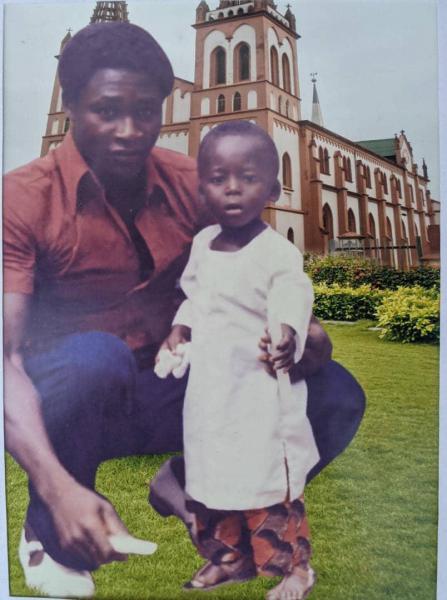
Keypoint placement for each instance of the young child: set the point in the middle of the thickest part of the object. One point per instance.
(248, 443)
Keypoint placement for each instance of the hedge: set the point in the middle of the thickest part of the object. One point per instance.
(352, 271)
(342, 303)
(410, 315)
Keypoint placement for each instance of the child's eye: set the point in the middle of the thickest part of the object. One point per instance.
(250, 178)
(217, 179)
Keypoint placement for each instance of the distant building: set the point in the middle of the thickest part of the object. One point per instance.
(366, 197)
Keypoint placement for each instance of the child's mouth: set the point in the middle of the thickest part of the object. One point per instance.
(233, 209)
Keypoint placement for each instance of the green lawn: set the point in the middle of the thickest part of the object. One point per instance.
(373, 512)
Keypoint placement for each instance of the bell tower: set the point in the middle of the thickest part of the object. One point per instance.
(58, 122)
(247, 68)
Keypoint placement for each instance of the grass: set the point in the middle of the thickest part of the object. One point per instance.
(373, 512)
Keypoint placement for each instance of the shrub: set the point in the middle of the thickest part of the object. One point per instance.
(355, 271)
(341, 303)
(410, 315)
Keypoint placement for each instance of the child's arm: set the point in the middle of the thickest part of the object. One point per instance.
(289, 303)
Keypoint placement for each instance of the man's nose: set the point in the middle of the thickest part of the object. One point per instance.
(127, 129)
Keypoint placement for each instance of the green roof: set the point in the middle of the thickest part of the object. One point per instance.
(381, 147)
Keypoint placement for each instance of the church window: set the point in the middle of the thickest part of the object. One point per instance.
(389, 230)
(321, 158)
(221, 104)
(220, 15)
(286, 171)
(351, 221)
(237, 102)
(280, 104)
(404, 230)
(274, 65)
(242, 62)
(411, 193)
(385, 183)
(286, 72)
(230, 13)
(372, 225)
(66, 125)
(287, 109)
(290, 235)
(328, 221)
(368, 177)
(326, 162)
(240, 11)
(218, 66)
(398, 188)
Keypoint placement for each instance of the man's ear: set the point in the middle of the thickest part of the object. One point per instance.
(276, 191)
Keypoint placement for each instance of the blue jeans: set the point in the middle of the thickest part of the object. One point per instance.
(97, 405)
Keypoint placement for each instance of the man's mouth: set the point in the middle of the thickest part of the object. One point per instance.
(127, 156)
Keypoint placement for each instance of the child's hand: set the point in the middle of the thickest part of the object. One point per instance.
(180, 334)
(283, 355)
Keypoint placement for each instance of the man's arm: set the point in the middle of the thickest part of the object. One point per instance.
(83, 520)
(317, 352)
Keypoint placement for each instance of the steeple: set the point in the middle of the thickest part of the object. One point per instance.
(317, 116)
(110, 11)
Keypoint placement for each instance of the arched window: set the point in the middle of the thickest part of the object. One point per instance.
(219, 66)
(242, 67)
(349, 170)
(237, 102)
(287, 109)
(351, 221)
(372, 225)
(66, 125)
(286, 72)
(280, 104)
(221, 104)
(274, 65)
(290, 235)
(321, 158)
(328, 221)
(385, 183)
(389, 229)
(286, 171)
(368, 177)
(398, 188)
(220, 15)
(230, 13)
(326, 162)
(411, 193)
(404, 230)
(240, 11)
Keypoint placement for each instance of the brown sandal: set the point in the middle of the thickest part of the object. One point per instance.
(211, 576)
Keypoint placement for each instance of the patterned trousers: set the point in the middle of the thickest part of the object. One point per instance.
(277, 537)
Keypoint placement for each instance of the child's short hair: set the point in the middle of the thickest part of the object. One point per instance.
(242, 128)
(115, 45)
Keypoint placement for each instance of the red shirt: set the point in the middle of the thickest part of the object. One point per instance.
(69, 248)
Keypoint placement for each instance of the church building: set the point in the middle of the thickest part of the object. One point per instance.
(367, 198)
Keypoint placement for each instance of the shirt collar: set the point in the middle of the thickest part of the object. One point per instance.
(75, 170)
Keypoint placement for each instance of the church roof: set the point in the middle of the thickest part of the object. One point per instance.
(385, 147)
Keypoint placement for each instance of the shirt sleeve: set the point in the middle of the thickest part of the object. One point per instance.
(188, 283)
(19, 246)
(290, 298)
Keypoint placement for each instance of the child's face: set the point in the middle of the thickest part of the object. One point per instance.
(237, 179)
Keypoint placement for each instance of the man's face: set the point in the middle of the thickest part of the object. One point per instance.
(116, 122)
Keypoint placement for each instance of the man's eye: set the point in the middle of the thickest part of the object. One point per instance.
(144, 114)
(107, 113)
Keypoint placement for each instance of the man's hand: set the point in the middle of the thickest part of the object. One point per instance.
(84, 521)
(317, 352)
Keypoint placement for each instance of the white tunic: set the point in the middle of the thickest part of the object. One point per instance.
(245, 446)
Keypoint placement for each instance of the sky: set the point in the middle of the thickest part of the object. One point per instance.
(376, 62)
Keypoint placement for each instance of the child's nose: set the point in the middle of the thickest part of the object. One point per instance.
(233, 184)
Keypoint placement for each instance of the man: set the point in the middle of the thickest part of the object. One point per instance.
(95, 237)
